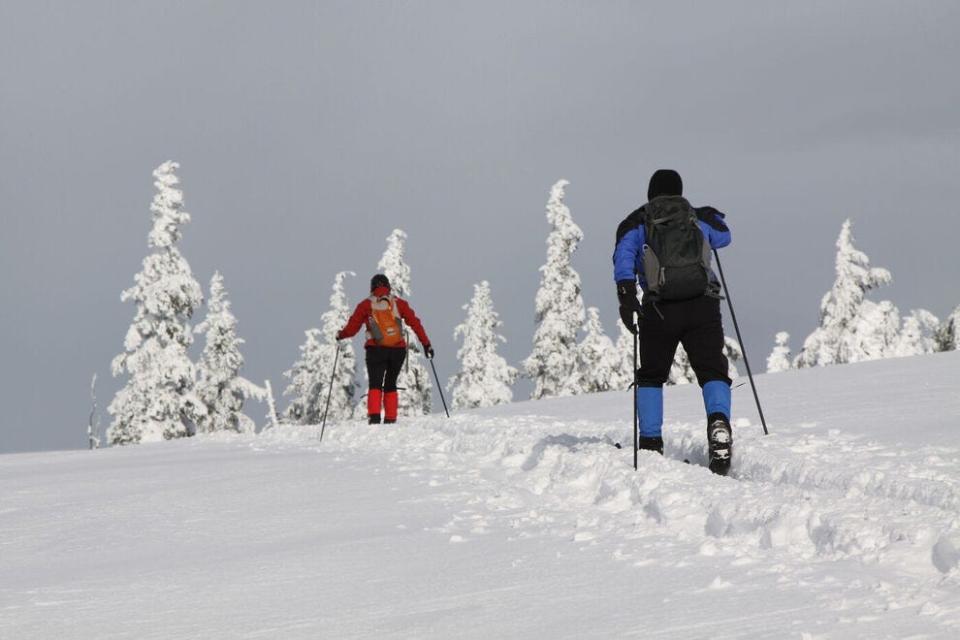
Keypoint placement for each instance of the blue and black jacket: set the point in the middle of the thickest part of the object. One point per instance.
(631, 238)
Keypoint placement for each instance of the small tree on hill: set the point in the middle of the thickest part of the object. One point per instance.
(343, 397)
(624, 348)
(779, 358)
(559, 306)
(158, 401)
(948, 335)
(874, 334)
(599, 365)
(415, 399)
(918, 334)
(306, 379)
(220, 387)
(485, 377)
(843, 317)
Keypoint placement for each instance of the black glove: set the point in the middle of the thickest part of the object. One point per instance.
(428, 351)
(339, 335)
(629, 304)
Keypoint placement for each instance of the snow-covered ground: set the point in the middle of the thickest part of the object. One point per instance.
(517, 522)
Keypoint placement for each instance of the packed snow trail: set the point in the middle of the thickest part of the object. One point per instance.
(519, 521)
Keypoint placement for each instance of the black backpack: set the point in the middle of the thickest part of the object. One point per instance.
(676, 258)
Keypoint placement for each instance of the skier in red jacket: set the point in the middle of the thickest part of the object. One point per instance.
(383, 314)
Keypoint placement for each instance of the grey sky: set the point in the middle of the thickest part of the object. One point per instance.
(307, 131)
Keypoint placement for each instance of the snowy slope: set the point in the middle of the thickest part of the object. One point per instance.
(516, 522)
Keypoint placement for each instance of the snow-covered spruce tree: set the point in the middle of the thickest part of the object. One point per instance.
(841, 310)
(415, 397)
(158, 401)
(875, 332)
(779, 358)
(342, 399)
(731, 349)
(220, 387)
(559, 307)
(306, 379)
(310, 375)
(599, 365)
(625, 352)
(484, 378)
(918, 334)
(948, 335)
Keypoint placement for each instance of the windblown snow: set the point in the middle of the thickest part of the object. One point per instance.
(520, 521)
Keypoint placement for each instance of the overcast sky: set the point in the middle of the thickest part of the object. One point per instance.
(307, 131)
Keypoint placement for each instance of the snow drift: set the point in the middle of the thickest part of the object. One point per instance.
(515, 521)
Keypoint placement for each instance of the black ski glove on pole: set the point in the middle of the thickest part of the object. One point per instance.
(629, 304)
(428, 351)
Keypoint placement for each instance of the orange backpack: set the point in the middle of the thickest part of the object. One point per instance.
(384, 324)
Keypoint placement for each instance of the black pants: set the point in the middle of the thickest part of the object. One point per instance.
(697, 325)
(383, 366)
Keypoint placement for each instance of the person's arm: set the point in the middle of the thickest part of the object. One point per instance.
(626, 253)
(356, 321)
(406, 312)
(625, 257)
(718, 233)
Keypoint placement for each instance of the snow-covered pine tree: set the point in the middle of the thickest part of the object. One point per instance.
(559, 306)
(841, 311)
(310, 375)
(415, 397)
(731, 349)
(918, 334)
(948, 335)
(342, 399)
(625, 352)
(779, 358)
(484, 378)
(874, 333)
(158, 401)
(599, 365)
(219, 384)
(306, 380)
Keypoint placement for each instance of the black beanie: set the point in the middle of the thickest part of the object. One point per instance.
(379, 280)
(665, 182)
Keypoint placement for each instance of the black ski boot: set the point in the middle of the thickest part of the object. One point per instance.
(720, 441)
(373, 418)
(650, 444)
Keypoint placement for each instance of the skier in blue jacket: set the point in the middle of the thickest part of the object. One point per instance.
(688, 314)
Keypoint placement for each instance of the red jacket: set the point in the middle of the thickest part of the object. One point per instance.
(361, 319)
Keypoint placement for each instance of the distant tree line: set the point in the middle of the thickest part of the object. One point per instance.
(167, 395)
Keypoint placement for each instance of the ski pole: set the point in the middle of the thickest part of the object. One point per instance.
(330, 391)
(736, 326)
(636, 409)
(439, 388)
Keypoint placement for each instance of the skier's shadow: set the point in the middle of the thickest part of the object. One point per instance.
(565, 440)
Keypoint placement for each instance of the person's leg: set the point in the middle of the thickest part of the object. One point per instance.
(658, 344)
(391, 400)
(704, 343)
(376, 370)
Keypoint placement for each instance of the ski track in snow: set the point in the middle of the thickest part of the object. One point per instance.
(796, 503)
(790, 505)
